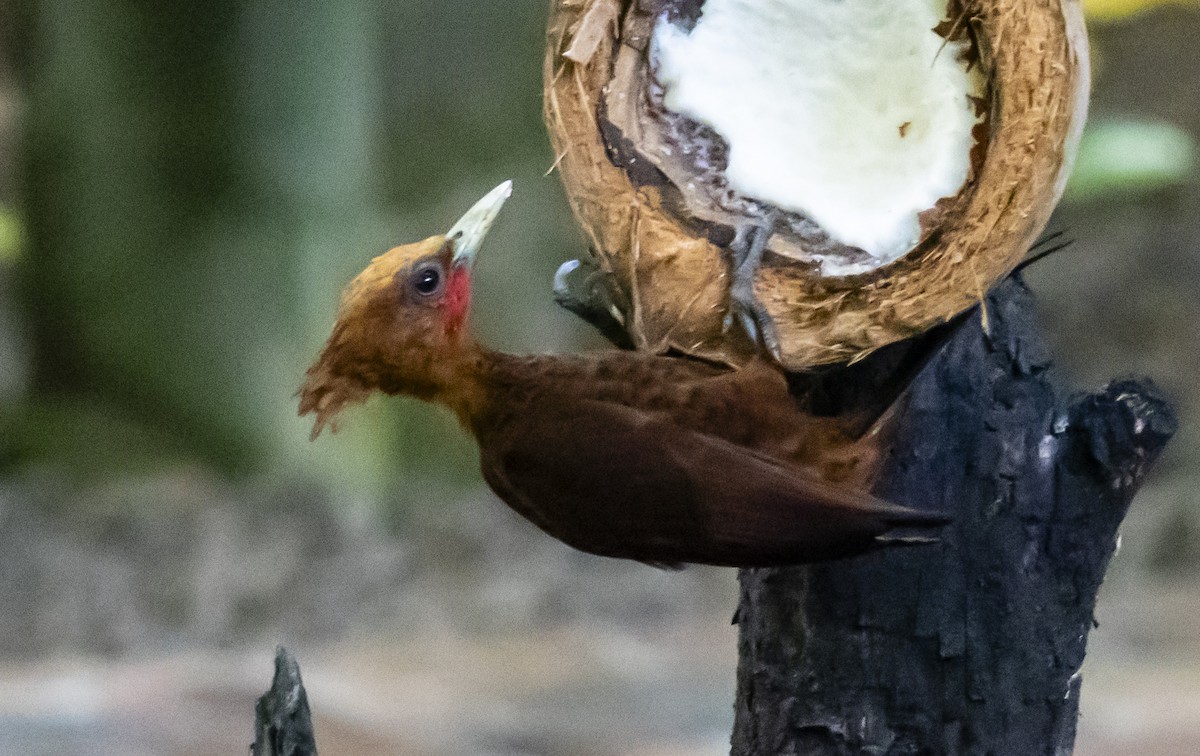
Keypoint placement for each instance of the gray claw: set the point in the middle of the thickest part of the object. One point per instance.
(585, 290)
(749, 313)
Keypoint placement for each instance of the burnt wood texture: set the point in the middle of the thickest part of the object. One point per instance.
(972, 645)
(282, 720)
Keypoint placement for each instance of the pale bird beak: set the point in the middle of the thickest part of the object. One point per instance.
(468, 234)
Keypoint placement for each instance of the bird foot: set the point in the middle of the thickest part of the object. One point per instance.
(745, 309)
(587, 291)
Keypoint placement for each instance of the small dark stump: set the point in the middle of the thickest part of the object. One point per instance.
(282, 720)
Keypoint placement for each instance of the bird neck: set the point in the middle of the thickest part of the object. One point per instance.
(454, 378)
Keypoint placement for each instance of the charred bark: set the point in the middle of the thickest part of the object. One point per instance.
(972, 645)
(282, 720)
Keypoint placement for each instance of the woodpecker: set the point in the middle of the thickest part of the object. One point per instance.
(657, 458)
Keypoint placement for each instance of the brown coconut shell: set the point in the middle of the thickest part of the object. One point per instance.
(675, 278)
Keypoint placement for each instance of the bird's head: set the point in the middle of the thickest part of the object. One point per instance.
(401, 326)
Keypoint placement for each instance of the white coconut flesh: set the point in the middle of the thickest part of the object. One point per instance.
(854, 114)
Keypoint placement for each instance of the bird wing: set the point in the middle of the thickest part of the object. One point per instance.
(622, 482)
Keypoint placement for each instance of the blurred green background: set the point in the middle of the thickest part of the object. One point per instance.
(184, 190)
(197, 183)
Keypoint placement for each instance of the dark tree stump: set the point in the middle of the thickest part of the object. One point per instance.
(282, 720)
(972, 645)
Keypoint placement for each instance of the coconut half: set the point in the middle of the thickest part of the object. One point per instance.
(900, 156)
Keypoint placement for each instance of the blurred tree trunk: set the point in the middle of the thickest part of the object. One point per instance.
(193, 172)
(972, 645)
(13, 367)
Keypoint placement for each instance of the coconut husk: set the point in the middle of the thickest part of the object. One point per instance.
(673, 268)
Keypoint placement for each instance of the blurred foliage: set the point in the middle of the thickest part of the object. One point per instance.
(10, 235)
(99, 443)
(200, 180)
(1128, 156)
(1110, 10)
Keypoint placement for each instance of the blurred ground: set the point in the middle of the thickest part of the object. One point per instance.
(477, 636)
(552, 692)
(570, 691)
(480, 636)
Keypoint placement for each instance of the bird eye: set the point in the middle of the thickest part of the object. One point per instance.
(427, 281)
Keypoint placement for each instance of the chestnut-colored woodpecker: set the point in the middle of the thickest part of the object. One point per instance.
(662, 459)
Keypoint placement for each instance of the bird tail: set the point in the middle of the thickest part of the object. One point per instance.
(913, 527)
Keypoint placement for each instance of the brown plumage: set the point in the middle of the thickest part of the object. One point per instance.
(624, 454)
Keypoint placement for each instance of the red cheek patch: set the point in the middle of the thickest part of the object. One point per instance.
(458, 299)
